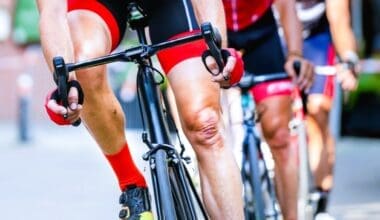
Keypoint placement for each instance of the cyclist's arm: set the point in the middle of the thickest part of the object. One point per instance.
(338, 14)
(212, 11)
(54, 30)
(56, 41)
(291, 25)
(293, 36)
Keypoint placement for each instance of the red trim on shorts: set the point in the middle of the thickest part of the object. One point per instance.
(174, 55)
(331, 55)
(273, 88)
(329, 83)
(328, 90)
(103, 12)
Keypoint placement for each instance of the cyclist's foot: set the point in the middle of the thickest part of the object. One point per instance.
(135, 204)
(324, 216)
(322, 202)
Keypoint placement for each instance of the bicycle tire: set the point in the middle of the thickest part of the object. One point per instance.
(186, 200)
(272, 210)
(252, 177)
(166, 205)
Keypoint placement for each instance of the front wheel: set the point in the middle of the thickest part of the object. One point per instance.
(253, 197)
(160, 176)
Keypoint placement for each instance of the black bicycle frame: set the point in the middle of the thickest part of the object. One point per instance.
(153, 116)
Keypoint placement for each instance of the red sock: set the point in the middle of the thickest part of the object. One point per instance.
(125, 169)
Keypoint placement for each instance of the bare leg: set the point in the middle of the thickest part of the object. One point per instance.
(199, 109)
(275, 113)
(92, 39)
(321, 142)
(102, 113)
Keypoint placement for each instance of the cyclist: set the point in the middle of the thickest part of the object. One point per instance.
(326, 30)
(78, 30)
(252, 28)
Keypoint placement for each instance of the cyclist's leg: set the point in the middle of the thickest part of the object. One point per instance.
(321, 146)
(202, 124)
(275, 114)
(102, 114)
(197, 99)
(274, 111)
(321, 141)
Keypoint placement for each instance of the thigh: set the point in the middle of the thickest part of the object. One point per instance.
(110, 16)
(90, 39)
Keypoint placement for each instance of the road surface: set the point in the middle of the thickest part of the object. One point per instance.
(61, 174)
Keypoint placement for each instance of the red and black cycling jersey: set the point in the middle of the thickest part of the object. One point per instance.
(312, 14)
(242, 13)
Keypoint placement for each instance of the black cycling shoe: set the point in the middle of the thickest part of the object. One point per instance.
(135, 204)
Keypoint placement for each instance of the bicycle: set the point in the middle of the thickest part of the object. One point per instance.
(175, 194)
(259, 191)
(252, 151)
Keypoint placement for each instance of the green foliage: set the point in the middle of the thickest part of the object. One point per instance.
(25, 28)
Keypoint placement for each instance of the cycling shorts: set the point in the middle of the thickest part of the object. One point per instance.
(319, 50)
(168, 19)
(262, 55)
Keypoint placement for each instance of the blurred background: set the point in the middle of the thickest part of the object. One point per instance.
(53, 172)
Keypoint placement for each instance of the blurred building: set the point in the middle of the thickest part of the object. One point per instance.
(21, 54)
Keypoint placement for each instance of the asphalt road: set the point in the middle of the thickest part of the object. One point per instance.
(61, 174)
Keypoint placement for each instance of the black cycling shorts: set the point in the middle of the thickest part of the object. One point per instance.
(261, 44)
(262, 54)
(167, 19)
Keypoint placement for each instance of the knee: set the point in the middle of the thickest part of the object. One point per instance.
(281, 146)
(319, 109)
(94, 78)
(277, 134)
(203, 128)
(320, 117)
(278, 138)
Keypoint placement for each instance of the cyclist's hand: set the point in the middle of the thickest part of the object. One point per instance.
(233, 69)
(55, 109)
(306, 75)
(347, 76)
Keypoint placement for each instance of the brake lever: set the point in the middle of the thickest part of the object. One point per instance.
(297, 69)
(61, 78)
(214, 42)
